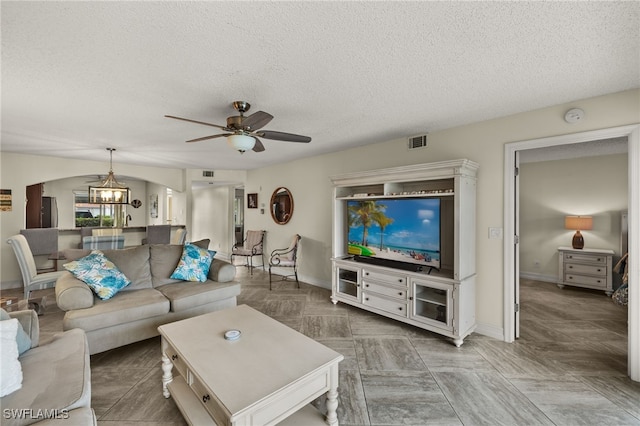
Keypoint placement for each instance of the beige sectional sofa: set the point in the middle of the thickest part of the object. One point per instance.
(56, 380)
(152, 298)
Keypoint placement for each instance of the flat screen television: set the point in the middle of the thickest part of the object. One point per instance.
(402, 230)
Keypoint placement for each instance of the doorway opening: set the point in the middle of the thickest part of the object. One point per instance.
(511, 248)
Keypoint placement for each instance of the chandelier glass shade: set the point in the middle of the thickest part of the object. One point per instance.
(110, 191)
(241, 142)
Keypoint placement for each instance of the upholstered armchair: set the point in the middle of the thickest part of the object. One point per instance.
(31, 279)
(252, 245)
(286, 258)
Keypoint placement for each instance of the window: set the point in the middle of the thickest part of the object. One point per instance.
(88, 214)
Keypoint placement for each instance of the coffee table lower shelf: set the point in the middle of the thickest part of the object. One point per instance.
(195, 413)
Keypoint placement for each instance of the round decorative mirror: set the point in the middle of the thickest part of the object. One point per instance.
(281, 205)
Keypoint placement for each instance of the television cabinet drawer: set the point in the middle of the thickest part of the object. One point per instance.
(387, 290)
(400, 280)
(392, 306)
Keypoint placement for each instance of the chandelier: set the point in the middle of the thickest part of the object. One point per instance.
(110, 191)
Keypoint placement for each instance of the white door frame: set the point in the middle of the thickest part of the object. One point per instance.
(632, 133)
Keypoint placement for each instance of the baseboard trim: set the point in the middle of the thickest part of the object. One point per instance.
(490, 331)
(539, 277)
(6, 285)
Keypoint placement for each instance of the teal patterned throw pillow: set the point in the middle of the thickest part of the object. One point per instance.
(99, 273)
(194, 264)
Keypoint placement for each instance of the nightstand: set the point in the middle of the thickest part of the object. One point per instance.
(588, 268)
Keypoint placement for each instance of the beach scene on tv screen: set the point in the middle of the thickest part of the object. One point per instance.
(405, 230)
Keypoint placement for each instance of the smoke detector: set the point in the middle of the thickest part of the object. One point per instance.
(574, 115)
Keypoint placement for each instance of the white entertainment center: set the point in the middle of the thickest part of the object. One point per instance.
(441, 299)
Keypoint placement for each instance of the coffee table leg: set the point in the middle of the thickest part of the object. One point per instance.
(332, 398)
(167, 377)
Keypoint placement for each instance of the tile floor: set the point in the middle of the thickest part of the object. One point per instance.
(568, 368)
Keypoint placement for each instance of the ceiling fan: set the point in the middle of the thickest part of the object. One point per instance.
(243, 132)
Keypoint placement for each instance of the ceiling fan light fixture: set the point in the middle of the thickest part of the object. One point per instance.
(241, 142)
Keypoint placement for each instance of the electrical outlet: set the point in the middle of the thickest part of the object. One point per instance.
(536, 264)
(495, 233)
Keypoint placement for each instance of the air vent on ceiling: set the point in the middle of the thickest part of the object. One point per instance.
(207, 173)
(416, 142)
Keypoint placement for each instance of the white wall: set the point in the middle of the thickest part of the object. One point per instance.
(211, 218)
(550, 190)
(308, 180)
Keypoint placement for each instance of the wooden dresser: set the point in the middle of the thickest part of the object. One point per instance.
(588, 268)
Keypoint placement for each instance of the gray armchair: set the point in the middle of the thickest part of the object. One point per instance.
(30, 277)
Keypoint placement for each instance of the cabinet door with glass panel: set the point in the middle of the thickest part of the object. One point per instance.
(432, 303)
(347, 283)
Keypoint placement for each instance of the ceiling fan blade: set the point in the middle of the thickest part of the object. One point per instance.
(197, 122)
(258, 147)
(281, 136)
(256, 120)
(209, 137)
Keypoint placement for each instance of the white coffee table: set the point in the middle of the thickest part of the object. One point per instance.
(269, 374)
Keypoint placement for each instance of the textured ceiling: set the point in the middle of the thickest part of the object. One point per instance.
(78, 77)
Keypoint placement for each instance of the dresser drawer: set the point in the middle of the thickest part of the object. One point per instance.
(589, 258)
(593, 282)
(392, 306)
(385, 278)
(394, 292)
(576, 268)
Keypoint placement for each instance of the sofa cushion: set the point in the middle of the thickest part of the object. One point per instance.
(9, 364)
(122, 308)
(22, 338)
(187, 295)
(102, 275)
(75, 254)
(194, 264)
(56, 376)
(134, 264)
(71, 293)
(163, 261)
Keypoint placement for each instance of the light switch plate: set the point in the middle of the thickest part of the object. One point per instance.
(495, 233)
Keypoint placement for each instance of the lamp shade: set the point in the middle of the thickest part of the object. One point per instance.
(241, 143)
(578, 223)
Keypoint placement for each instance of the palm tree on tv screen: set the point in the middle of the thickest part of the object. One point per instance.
(382, 220)
(365, 213)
